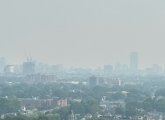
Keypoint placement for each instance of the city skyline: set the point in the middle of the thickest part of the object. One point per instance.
(132, 63)
(82, 60)
(82, 33)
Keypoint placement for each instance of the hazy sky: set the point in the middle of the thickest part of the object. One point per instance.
(82, 32)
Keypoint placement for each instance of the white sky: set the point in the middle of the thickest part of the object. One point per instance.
(82, 32)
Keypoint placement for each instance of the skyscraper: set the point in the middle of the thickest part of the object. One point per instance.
(134, 61)
(29, 67)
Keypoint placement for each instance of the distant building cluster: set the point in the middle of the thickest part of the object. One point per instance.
(62, 103)
(34, 70)
(35, 103)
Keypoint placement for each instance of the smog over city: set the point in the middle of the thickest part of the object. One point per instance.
(82, 60)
